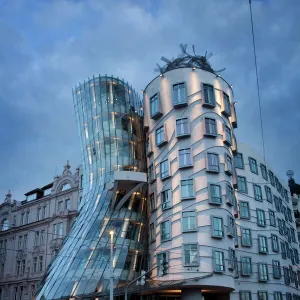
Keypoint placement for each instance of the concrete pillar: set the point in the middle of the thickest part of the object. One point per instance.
(191, 294)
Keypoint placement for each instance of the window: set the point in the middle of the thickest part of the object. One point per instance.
(182, 127)
(67, 204)
(162, 263)
(32, 290)
(257, 192)
(272, 218)
(5, 225)
(27, 217)
(264, 171)
(246, 266)
(18, 269)
(275, 244)
(209, 95)
(165, 228)
(189, 221)
(226, 105)
(242, 184)
(22, 218)
(276, 201)
(262, 295)
(152, 234)
(160, 136)
(276, 269)
(261, 219)
(179, 94)
(277, 296)
(20, 242)
(230, 195)
(166, 199)
(286, 275)
(219, 261)
(23, 267)
(239, 161)
(271, 175)
(185, 158)
(54, 231)
(60, 229)
(210, 127)
(245, 295)
(154, 107)
(38, 217)
(268, 194)
(288, 296)
(262, 272)
(217, 227)
(47, 192)
(246, 237)
(231, 259)
(228, 164)
(289, 213)
(228, 139)
(253, 165)
(187, 189)
(262, 244)
(283, 250)
(59, 206)
(230, 226)
(190, 254)
(25, 241)
(213, 162)
(164, 169)
(36, 238)
(42, 240)
(244, 210)
(151, 173)
(152, 202)
(296, 256)
(35, 264)
(286, 197)
(44, 212)
(66, 186)
(31, 197)
(40, 263)
(215, 196)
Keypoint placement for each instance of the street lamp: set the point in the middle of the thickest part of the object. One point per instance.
(111, 279)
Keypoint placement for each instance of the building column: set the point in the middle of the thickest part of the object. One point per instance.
(191, 294)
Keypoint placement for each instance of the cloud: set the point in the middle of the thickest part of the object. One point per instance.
(50, 46)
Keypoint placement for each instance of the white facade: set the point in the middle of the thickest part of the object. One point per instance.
(195, 238)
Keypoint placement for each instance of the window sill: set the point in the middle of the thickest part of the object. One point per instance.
(189, 231)
(191, 265)
(215, 203)
(180, 104)
(246, 275)
(156, 115)
(265, 253)
(229, 203)
(188, 198)
(166, 208)
(226, 113)
(247, 246)
(185, 135)
(217, 237)
(161, 144)
(228, 172)
(230, 234)
(212, 171)
(209, 105)
(185, 166)
(219, 272)
(166, 240)
(210, 135)
(164, 178)
(228, 143)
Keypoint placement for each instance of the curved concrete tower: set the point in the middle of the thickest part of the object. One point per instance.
(108, 113)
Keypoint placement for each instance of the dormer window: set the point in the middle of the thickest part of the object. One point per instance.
(47, 192)
(31, 197)
(66, 186)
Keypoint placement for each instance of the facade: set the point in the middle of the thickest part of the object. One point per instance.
(32, 231)
(114, 195)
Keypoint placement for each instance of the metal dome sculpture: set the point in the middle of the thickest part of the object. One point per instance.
(186, 60)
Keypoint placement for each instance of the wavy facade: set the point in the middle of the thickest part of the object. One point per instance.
(114, 194)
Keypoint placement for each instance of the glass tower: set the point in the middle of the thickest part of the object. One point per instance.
(108, 113)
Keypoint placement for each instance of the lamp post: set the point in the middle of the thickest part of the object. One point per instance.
(111, 277)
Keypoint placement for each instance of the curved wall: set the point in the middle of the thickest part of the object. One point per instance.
(111, 133)
(199, 262)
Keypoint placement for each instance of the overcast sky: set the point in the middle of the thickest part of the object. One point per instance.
(47, 47)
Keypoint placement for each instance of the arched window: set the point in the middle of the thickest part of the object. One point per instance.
(5, 225)
(66, 186)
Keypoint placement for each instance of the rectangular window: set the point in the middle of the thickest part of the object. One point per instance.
(213, 164)
(23, 267)
(289, 213)
(296, 256)
(268, 194)
(215, 196)
(262, 272)
(18, 269)
(182, 127)
(262, 244)
(60, 206)
(42, 237)
(67, 204)
(152, 234)
(253, 165)
(190, 254)
(262, 295)
(166, 199)
(277, 296)
(38, 217)
(27, 217)
(272, 218)
(40, 263)
(231, 226)
(185, 158)
(275, 244)
(245, 295)
(246, 237)
(228, 139)
(154, 107)
(271, 175)
(286, 197)
(151, 173)
(22, 218)
(242, 184)
(244, 210)
(25, 241)
(179, 94)
(228, 164)
(20, 242)
(165, 228)
(217, 227)
(226, 105)
(60, 229)
(257, 192)
(276, 201)
(187, 189)
(160, 136)
(283, 250)
(230, 195)
(163, 263)
(231, 259)
(264, 171)
(36, 238)
(288, 296)
(209, 95)
(189, 221)
(246, 266)
(239, 161)
(152, 202)
(286, 275)
(164, 169)
(44, 212)
(276, 269)
(219, 261)
(35, 264)
(261, 219)
(210, 127)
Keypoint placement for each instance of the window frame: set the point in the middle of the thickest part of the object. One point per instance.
(208, 166)
(262, 212)
(161, 199)
(182, 217)
(210, 201)
(167, 174)
(155, 115)
(264, 173)
(230, 195)
(255, 188)
(275, 247)
(268, 191)
(189, 155)
(242, 160)
(204, 98)
(250, 165)
(246, 185)
(228, 170)
(272, 217)
(250, 234)
(247, 294)
(170, 229)
(243, 273)
(182, 126)
(163, 141)
(260, 249)
(180, 103)
(226, 140)
(248, 208)
(214, 261)
(260, 274)
(207, 125)
(193, 185)
(226, 111)
(213, 230)
(193, 264)
(274, 267)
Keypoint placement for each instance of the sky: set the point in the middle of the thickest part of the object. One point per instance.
(49, 46)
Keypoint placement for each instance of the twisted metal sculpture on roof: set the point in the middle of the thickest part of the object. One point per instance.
(186, 60)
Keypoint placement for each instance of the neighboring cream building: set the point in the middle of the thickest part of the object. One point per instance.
(32, 232)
